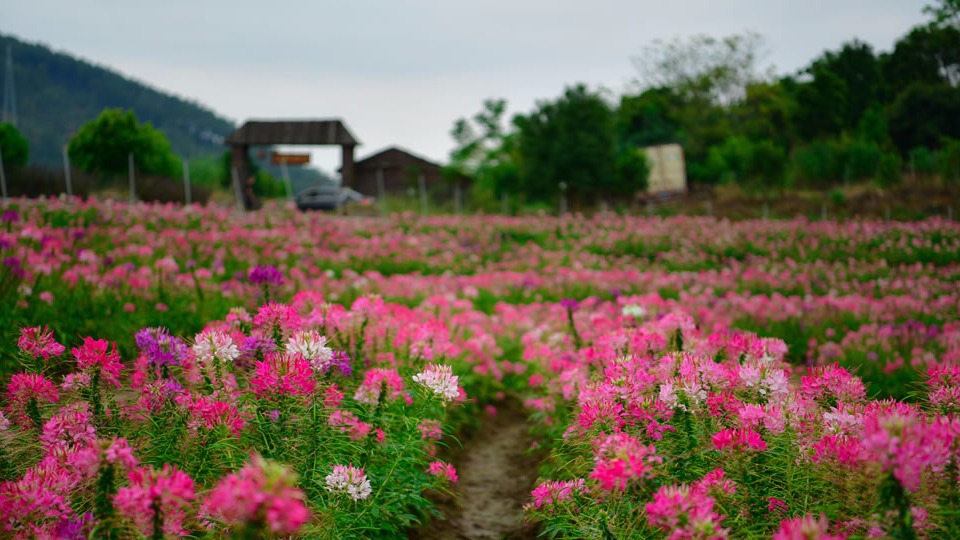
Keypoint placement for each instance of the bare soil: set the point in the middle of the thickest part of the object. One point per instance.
(496, 476)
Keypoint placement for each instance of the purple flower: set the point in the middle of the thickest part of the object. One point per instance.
(160, 347)
(14, 264)
(9, 216)
(265, 274)
(570, 304)
(74, 528)
(254, 348)
(341, 362)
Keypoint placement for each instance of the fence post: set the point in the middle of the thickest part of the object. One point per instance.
(133, 179)
(286, 180)
(766, 211)
(887, 213)
(236, 189)
(66, 172)
(187, 196)
(381, 193)
(423, 195)
(563, 198)
(505, 204)
(457, 200)
(823, 211)
(3, 177)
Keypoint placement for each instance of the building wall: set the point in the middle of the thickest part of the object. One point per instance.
(401, 173)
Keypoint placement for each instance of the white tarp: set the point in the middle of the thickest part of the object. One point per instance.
(668, 173)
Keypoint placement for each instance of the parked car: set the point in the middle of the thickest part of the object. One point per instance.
(330, 198)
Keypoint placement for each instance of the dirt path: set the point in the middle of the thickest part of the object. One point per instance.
(495, 481)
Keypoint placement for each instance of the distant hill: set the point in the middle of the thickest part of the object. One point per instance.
(57, 93)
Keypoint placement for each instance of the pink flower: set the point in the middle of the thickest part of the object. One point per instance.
(25, 387)
(738, 438)
(686, 512)
(70, 428)
(440, 380)
(552, 492)
(210, 413)
(260, 494)
(806, 528)
(96, 354)
(38, 342)
(349, 423)
(282, 374)
(332, 397)
(440, 468)
(379, 381)
(620, 459)
(169, 491)
(832, 383)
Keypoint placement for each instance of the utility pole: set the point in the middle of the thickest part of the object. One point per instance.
(9, 90)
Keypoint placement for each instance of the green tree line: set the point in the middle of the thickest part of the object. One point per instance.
(851, 115)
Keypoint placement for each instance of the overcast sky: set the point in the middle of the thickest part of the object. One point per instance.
(400, 72)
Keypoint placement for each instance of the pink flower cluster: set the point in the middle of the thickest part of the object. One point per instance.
(441, 468)
(261, 494)
(168, 491)
(39, 342)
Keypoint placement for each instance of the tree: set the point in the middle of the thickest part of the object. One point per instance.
(923, 114)
(650, 118)
(945, 12)
(13, 146)
(572, 141)
(485, 152)
(104, 145)
(928, 54)
(854, 73)
(703, 68)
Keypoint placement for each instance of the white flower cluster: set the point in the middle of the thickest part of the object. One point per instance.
(349, 480)
(312, 347)
(441, 380)
(211, 344)
(633, 310)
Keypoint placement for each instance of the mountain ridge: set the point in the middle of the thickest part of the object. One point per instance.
(57, 92)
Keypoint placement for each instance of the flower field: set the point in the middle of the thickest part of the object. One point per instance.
(192, 372)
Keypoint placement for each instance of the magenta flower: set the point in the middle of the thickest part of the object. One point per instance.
(27, 388)
(265, 274)
(259, 497)
(621, 459)
(552, 492)
(96, 355)
(738, 439)
(440, 468)
(282, 375)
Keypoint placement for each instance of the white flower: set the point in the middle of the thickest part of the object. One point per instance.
(349, 479)
(211, 344)
(441, 380)
(312, 347)
(633, 310)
